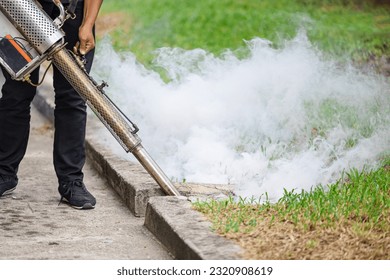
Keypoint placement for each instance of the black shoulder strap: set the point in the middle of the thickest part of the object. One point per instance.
(72, 7)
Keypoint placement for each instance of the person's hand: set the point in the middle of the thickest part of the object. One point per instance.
(86, 41)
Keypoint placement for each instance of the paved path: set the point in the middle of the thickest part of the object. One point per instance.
(34, 226)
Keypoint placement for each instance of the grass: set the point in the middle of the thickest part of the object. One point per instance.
(343, 28)
(355, 208)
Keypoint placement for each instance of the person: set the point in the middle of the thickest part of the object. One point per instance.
(69, 113)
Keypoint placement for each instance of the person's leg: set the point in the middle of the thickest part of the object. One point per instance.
(14, 127)
(70, 124)
(15, 105)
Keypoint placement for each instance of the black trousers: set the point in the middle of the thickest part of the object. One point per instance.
(70, 114)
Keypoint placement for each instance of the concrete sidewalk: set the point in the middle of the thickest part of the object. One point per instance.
(34, 226)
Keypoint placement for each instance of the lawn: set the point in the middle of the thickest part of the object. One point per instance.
(346, 220)
(354, 30)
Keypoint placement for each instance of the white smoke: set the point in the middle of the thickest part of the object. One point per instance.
(279, 118)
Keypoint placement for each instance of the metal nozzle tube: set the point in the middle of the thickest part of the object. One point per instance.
(110, 117)
(37, 27)
(154, 170)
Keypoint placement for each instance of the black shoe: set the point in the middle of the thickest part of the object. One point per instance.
(77, 195)
(7, 184)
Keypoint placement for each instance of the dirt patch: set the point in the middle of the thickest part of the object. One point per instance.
(286, 242)
(381, 65)
(381, 2)
(107, 23)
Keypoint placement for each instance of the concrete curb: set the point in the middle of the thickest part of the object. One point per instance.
(183, 231)
(186, 233)
(130, 181)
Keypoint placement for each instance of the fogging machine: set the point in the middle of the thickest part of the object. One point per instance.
(31, 37)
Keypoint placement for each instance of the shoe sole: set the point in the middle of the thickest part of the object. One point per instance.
(7, 192)
(84, 207)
